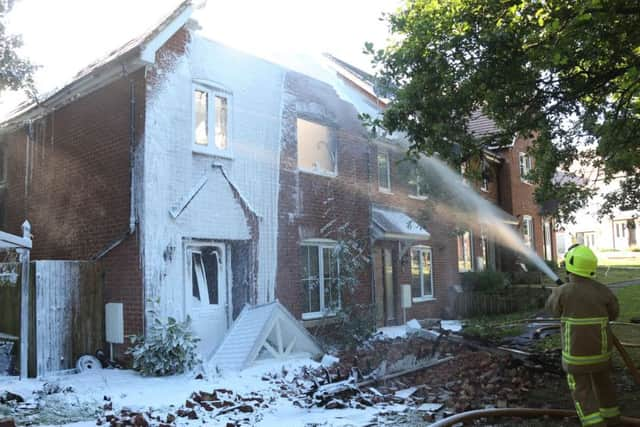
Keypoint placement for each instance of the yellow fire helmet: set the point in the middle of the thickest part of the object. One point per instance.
(581, 261)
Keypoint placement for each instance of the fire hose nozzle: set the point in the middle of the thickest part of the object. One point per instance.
(559, 282)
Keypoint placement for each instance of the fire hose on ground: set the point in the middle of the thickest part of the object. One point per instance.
(517, 412)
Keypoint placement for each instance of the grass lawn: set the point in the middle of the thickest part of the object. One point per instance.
(608, 275)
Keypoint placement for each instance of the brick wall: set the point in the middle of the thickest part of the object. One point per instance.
(315, 206)
(517, 195)
(71, 180)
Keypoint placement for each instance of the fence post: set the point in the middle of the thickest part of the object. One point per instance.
(24, 304)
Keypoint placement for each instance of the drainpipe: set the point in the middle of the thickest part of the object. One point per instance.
(132, 140)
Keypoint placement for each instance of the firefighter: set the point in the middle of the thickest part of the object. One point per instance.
(585, 308)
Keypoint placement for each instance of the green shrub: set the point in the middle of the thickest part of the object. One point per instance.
(169, 348)
(484, 281)
(349, 328)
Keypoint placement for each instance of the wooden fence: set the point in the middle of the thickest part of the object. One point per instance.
(509, 300)
(66, 313)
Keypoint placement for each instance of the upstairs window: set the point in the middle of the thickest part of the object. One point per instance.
(418, 183)
(211, 121)
(465, 251)
(527, 230)
(525, 166)
(384, 173)
(316, 148)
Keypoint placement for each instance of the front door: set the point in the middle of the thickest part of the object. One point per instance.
(389, 297)
(207, 296)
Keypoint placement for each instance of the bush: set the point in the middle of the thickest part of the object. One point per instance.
(169, 348)
(351, 326)
(484, 281)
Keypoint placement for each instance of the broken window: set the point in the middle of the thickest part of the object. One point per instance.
(527, 230)
(384, 173)
(320, 280)
(204, 275)
(465, 251)
(210, 107)
(421, 278)
(316, 148)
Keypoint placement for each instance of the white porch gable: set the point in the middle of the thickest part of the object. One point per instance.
(264, 331)
(390, 224)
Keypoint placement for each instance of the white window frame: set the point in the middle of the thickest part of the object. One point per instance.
(460, 237)
(524, 168)
(332, 135)
(415, 187)
(423, 296)
(211, 148)
(527, 222)
(547, 236)
(322, 244)
(388, 171)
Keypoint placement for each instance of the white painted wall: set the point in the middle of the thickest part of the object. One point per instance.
(172, 169)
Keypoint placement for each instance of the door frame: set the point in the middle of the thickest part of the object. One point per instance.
(223, 274)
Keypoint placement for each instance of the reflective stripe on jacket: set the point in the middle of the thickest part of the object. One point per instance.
(585, 308)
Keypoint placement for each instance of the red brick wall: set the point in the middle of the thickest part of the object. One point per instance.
(308, 202)
(517, 195)
(74, 187)
(442, 241)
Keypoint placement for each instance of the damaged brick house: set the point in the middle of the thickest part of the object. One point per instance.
(208, 179)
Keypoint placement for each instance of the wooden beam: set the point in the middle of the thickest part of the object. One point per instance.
(10, 241)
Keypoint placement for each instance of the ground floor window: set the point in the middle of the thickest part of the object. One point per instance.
(546, 228)
(526, 229)
(421, 272)
(320, 269)
(465, 252)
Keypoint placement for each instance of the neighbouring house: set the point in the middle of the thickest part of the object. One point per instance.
(606, 234)
(209, 179)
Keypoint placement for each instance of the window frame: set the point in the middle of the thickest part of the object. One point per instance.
(416, 194)
(460, 238)
(192, 246)
(334, 140)
(528, 219)
(423, 296)
(547, 239)
(321, 245)
(527, 166)
(212, 92)
(386, 155)
(484, 184)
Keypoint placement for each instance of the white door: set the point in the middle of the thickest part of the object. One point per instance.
(207, 296)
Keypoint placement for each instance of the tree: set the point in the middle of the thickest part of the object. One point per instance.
(15, 72)
(566, 73)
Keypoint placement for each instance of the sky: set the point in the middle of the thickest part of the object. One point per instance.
(64, 36)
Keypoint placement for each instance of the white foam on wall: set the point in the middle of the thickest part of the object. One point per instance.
(172, 169)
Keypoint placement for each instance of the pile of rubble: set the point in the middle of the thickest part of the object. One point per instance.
(241, 410)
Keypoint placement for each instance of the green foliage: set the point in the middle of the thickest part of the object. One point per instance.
(351, 327)
(484, 281)
(566, 73)
(15, 72)
(495, 328)
(169, 348)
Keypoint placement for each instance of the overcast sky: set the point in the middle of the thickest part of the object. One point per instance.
(63, 36)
